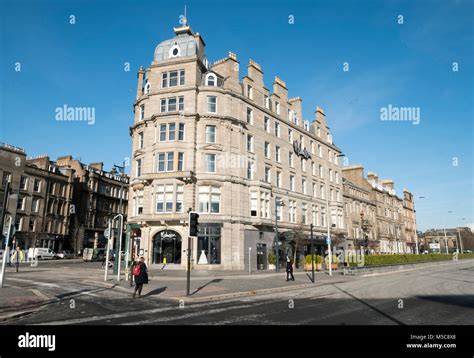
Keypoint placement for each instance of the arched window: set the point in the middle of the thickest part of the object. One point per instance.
(147, 87)
(211, 79)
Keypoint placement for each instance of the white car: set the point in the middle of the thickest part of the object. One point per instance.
(65, 255)
(42, 253)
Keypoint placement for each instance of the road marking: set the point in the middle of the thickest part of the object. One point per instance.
(34, 282)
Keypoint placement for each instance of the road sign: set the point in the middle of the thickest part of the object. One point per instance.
(106, 233)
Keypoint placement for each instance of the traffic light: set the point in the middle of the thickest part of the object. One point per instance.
(193, 223)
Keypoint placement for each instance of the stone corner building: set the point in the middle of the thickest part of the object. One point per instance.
(230, 148)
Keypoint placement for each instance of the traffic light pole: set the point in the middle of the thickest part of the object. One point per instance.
(188, 266)
(312, 254)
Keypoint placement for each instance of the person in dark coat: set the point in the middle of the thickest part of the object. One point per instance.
(289, 269)
(141, 276)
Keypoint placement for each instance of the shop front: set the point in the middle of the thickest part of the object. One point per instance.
(166, 247)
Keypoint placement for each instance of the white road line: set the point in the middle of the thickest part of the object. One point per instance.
(34, 282)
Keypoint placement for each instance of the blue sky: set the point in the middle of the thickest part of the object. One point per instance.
(405, 65)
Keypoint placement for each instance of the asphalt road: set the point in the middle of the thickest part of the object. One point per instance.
(441, 295)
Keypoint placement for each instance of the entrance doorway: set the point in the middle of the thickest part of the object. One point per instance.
(261, 256)
(166, 246)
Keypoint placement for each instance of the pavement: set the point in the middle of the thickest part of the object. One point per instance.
(75, 293)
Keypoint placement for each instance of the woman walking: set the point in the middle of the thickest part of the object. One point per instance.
(289, 269)
(140, 273)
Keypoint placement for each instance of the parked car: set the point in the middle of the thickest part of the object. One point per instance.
(65, 255)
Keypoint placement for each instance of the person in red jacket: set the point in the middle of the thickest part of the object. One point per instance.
(140, 273)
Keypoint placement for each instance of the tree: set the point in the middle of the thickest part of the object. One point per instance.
(298, 236)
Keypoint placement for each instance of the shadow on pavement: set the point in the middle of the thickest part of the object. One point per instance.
(217, 280)
(457, 300)
(156, 291)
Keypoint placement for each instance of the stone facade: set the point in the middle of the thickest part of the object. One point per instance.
(409, 218)
(98, 196)
(387, 223)
(230, 149)
(42, 194)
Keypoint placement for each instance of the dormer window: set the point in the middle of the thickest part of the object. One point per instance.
(175, 51)
(147, 87)
(211, 79)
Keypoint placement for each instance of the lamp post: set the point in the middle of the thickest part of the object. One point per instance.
(277, 247)
(312, 254)
(119, 252)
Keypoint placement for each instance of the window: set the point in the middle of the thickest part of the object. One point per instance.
(266, 102)
(23, 183)
(173, 79)
(210, 134)
(161, 162)
(290, 159)
(164, 80)
(321, 172)
(313, 168)
(179, 198)
(249, 92)
(19, 223)
(267, 174)
(35, 205)
(337, 177)
(250, 170)
(292, 182)
(181, 131)
(180, 161)
(147, 87)
(303, 186)
(139, 168)
(330, 155)
(267, 150)
(315, 190)
(253, 203)
(162, 132)
(265, 205)
(338, 196)
(142, 112)
(277, 107)
(170, 161)
(318, 132)
(303, 164)
(164, 198)
(171, 131)
(314, 216)
(20, 205)
(209, 199)
(320, 151)
(330, 175)
(211, 104)
(304, 213)
(210, 163)
(278, 154)
(249, 116)
(292, 211)
(266, 124)
(306, 125)
(249, 143)
(331, 194)
(32, 225)
(37, 185)
(322, 191)
(172, 104)
(278, 179)
(279, 206)
(290, 135)
(140, 140)
(277, 129)
(139, 202)
(211, 79)
(323, 217)
(209, 242)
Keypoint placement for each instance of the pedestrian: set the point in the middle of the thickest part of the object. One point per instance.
(289, 269)
(164, 263)
(140, 273)
(17, 257)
